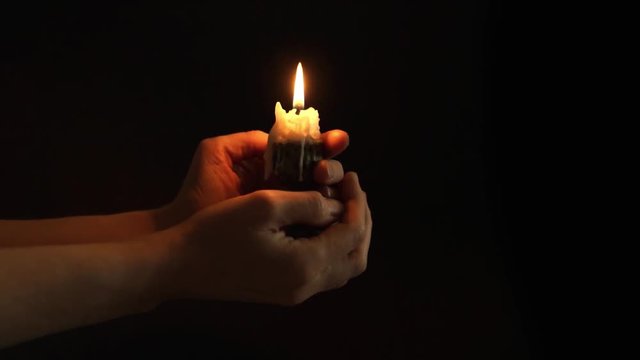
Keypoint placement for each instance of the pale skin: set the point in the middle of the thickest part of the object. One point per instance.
(219, 239)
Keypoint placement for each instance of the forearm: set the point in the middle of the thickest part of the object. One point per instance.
(85, 229)
(47, 289)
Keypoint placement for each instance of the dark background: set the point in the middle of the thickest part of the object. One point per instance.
(102, 106)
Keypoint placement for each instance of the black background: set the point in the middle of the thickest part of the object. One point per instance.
(102, 106)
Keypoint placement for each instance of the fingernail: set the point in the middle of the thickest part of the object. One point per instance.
(330, 172)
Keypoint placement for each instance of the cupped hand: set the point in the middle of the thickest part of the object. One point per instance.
(227, 166)
(238, 250)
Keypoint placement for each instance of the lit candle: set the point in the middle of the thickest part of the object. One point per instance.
(294, 145)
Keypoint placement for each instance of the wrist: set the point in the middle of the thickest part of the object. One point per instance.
(169, 215)
(164, 249)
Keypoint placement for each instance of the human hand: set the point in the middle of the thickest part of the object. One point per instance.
(237, 249)
(227, 166)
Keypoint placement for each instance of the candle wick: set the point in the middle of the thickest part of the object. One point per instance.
(297, 111)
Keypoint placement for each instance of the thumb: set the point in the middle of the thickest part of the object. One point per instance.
(300, 207)
(240, 146)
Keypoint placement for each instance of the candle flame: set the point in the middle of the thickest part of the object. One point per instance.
(298, 89)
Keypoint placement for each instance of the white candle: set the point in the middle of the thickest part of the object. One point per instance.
(299, 128)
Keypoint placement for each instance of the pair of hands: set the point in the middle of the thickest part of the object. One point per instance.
(232, 245)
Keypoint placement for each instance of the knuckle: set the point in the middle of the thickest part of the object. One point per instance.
(265, 201)
(317, 202)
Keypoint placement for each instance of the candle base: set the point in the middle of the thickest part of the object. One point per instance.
(291, 168)
(292, 164)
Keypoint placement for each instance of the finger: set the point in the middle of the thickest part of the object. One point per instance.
(239, 146)
(334, 142)
(338, 240)
(301, 207)
(328, 172)
(344, 236)
(250, 173)
(355, 202)
(359, 256)
(369, 225)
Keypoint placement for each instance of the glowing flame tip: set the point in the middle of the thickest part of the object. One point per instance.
(298, 89)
